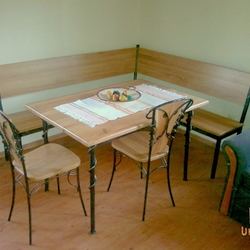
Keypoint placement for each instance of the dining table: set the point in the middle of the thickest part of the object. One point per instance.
(92, 119)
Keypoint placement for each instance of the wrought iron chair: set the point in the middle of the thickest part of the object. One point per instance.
(38, 166)
(153, 144)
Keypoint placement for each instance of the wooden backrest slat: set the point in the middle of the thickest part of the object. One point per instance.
(220, 82)
(27, 77)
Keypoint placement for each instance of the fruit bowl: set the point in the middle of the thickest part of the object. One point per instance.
(117, 94)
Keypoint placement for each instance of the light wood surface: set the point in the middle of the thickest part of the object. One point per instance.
(102, 133)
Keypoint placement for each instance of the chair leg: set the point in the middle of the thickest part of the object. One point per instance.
(46, 185)
(115, 164)
(30, 218)
(13, 193)
(80, 191)
(45, 141)
(45, 132)
(146, 193)
(169, 186)
(141, 170)
(187, 142)
(216, 157)
(29, 210)
(58, 185)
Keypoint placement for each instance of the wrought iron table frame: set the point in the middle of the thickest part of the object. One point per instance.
(45, 110)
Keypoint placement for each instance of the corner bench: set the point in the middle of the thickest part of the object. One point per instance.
(223, 83)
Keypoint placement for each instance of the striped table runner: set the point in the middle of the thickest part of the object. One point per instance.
(93, 111)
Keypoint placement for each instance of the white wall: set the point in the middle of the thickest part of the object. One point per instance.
(36, 29)
(212, 31)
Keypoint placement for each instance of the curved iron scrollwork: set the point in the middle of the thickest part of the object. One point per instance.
(93, 163)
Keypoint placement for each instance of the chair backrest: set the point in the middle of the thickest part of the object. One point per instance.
(165, 120)
(11, 139)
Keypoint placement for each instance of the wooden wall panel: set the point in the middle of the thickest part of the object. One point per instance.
(27, 77)
(223, 83)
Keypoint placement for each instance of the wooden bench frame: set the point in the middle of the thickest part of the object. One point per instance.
(223, 83)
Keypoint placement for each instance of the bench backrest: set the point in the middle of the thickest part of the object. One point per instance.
(223, 83)
(27, 77)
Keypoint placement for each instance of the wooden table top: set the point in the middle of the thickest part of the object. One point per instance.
(90, 136)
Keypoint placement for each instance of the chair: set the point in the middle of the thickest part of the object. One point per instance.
(154, 143)
(38, 166)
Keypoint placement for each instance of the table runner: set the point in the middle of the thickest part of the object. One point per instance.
(93, 111)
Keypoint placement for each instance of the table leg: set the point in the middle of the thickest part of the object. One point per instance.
(92, 188)
(45, 139)
(45, 132)
(187, 142)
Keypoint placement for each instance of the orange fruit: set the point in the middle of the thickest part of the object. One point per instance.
(115, 97)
